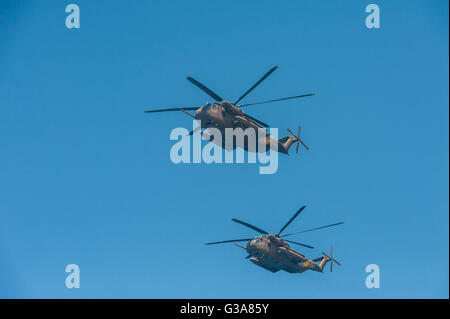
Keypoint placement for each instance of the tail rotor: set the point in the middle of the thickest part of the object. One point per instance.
(298, 139)
(330, 258)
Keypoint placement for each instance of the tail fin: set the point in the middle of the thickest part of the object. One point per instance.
(324, 261)
(287, 142)
(318, 259)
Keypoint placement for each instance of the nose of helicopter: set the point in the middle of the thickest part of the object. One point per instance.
(250, 247)
(201, 110)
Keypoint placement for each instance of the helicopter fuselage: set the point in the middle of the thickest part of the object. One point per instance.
(215, 115)
(272, 253)
(225, 115)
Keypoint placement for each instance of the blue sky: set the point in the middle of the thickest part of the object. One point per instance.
(86, 176)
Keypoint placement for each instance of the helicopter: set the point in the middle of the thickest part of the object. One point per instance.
(223, 114)
(273, 253)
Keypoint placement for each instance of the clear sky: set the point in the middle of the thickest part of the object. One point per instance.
(86, 176)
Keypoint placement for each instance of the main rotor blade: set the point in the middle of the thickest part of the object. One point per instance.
(173, 109)
(282, 99)
(259, 230)
(257, 121)
(292, 218)
(256, 84)
(240, 246)
(229, 241)
(304, 231)
(204, 89)
(294, 242)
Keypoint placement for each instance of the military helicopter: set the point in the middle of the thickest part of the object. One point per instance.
(224, 114)
(271, 252)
